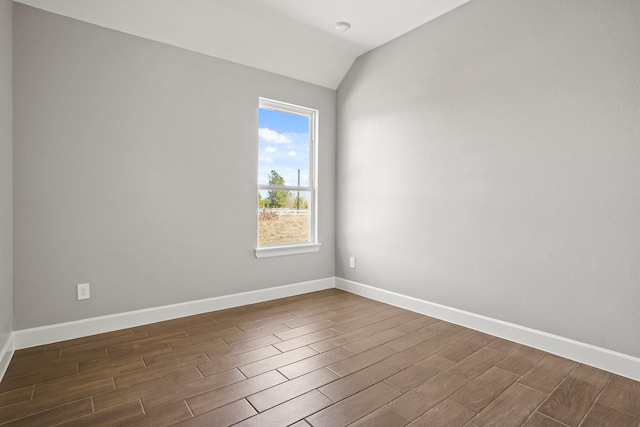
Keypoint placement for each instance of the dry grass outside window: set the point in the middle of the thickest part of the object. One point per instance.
(282, 229)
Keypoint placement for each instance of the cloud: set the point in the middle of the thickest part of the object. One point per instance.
(291, 153)
(271, 136)
(265, 159)
(270, 149)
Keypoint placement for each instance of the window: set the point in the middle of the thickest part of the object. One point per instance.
(287, 193)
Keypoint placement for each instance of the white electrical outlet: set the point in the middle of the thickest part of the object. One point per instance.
(83, 291)
(352, 262)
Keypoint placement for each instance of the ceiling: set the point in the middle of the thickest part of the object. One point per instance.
(294, 38)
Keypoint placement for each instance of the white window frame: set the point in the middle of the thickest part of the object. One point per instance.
(266, 251)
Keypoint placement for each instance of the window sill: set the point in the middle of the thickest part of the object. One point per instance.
(273, 251)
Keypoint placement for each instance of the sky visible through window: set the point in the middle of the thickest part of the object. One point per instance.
(283, 145)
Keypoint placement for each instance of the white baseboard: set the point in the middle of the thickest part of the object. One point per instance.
(602, 358)
(6, 354)
(588, 354)
(96, 325)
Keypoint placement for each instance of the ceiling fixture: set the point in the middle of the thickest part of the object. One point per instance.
(342, 26)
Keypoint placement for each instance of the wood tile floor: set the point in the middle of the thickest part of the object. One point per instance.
(327, 358)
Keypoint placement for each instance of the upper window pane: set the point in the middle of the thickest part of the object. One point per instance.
(283, 144)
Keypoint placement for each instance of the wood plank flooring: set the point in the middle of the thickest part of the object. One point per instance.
(326, 358)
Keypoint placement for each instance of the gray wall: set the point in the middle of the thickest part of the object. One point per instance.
(6, 172)
(490, 161)
(135, 170)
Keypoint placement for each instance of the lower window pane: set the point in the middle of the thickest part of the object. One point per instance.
(286, 223)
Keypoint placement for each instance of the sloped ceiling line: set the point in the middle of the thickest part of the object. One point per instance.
(294, 38)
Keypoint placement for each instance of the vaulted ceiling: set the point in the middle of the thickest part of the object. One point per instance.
(295, 38)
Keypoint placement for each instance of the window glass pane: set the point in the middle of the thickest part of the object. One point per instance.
(283, 144)
(286, 224)
(286, 213)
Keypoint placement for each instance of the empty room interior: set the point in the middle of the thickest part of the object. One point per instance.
(467, 198)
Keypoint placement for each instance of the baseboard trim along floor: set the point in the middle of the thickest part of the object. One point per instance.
(588, 354)
(96, 325)
(598, 357)
(6, 354)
